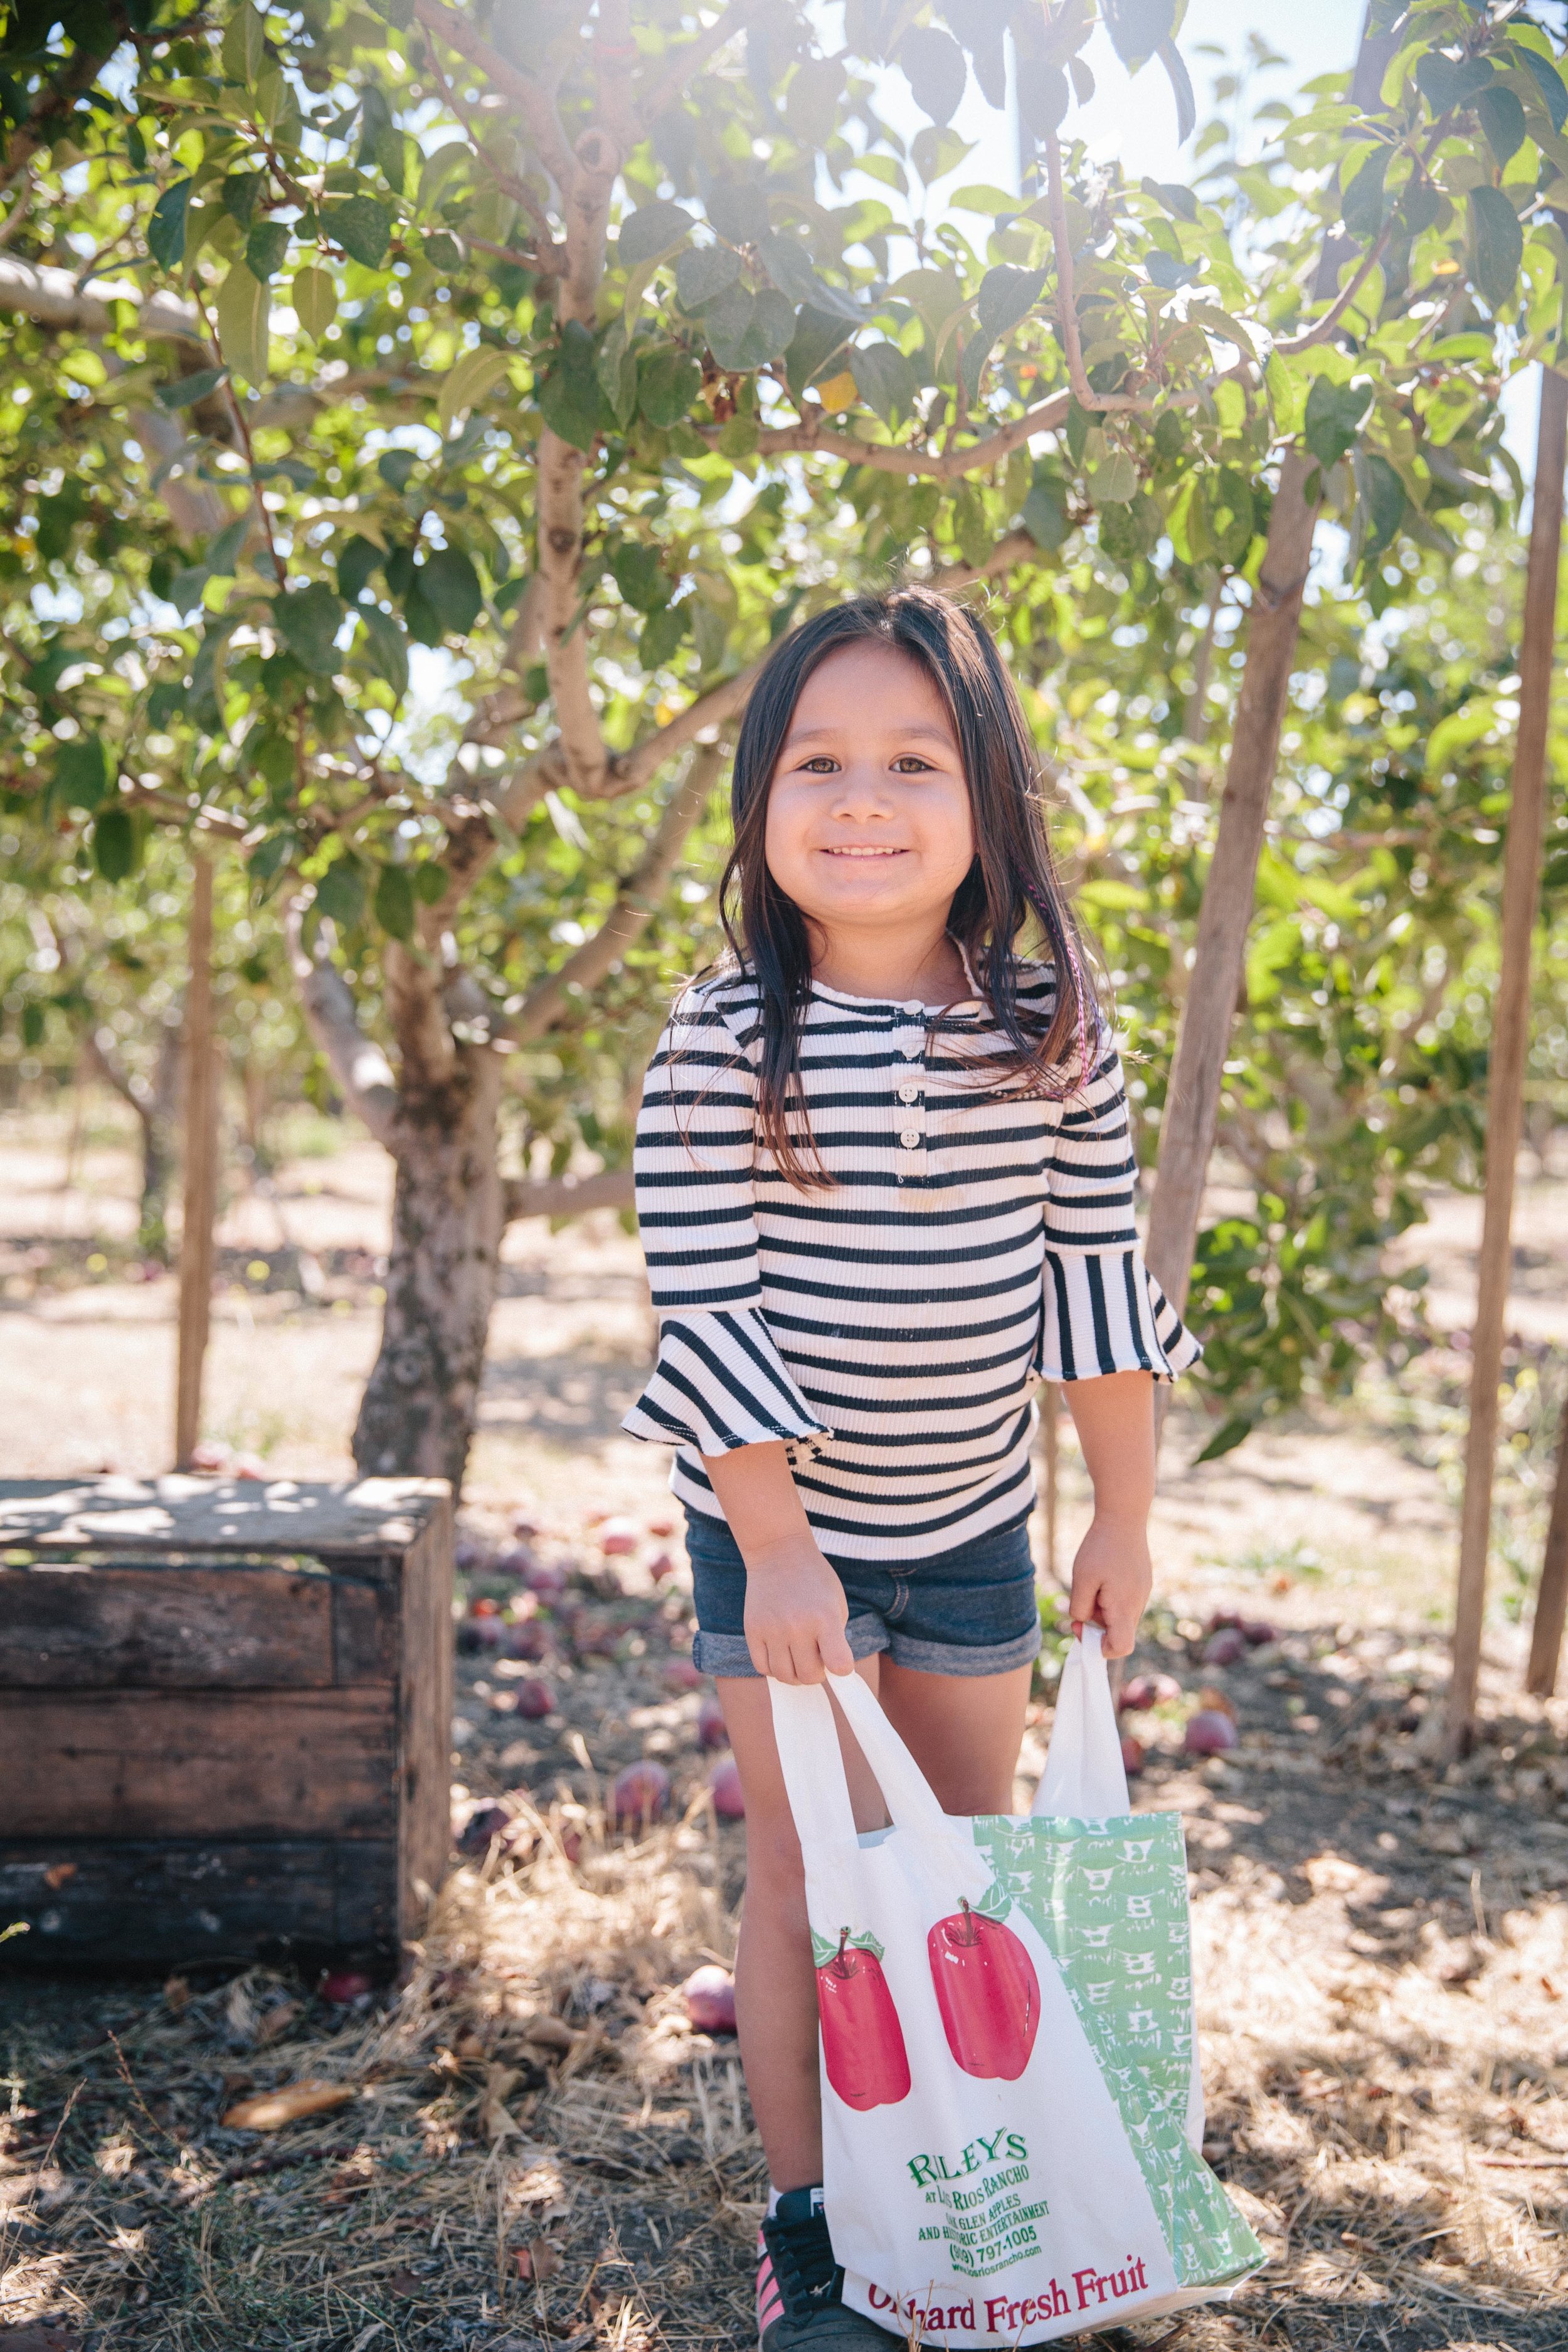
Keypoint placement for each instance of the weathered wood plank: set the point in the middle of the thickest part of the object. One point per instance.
(214, 1764)
(425, 1721)
(160, 1626)
(158, 1904)
(361, 1515)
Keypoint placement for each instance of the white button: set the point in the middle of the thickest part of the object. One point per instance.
(909, 1052)
(908, 1094)
(910, 1139)
(915, 1007)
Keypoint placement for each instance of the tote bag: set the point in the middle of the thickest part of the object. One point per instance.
(1011, 2117)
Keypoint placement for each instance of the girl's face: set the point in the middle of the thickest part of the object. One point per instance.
(868, 822)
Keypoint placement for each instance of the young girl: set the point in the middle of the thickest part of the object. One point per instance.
(885, 1182)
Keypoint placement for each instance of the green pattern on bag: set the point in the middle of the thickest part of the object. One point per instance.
(1109, 1901)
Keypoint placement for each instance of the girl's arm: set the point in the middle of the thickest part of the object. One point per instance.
(796, 1609)
(1112, 1575)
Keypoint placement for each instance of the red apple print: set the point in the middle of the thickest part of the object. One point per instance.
(987, 1992)
(862, 2041)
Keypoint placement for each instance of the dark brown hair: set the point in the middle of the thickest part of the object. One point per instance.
(1012, 876)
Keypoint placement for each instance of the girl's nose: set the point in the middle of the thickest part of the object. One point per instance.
(862, 792)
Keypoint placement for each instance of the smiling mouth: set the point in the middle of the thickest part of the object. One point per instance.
(846, 849)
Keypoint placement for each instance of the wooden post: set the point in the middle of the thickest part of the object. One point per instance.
(1551, 1599)
(201, 1168)
(1510, 1038)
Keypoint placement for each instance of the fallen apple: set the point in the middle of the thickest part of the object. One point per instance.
(1225, 1648)
(661, 1526)
(530, 1641)
(484, 1824)
(1144, 1691)
(660, 1566)
(1224, 1621)
(344, 1984)
(1209, 1733)
(1258, 1630)
(517, 1561)
(725, 1782)
(1133, 1755)
(640, 1793)
(710, 1999)
(618, 1538)
(710, 1726)
(682, 1675)
(535, 1700)
(547, 1577)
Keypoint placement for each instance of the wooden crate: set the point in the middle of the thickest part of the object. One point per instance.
(226, 1717)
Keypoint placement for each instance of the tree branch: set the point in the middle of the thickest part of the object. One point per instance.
(559, 490)
(53, 298)
(889, 458)
(358, 1065)
(1017, 547)
(691, 59)
(529, 97)
(566, 1196)
(425, 1046)
(61, 98)
(636, 904)
(630, 771)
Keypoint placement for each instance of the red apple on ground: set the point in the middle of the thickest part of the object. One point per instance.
(547, 1577)
(1257, 1631)
(1209, 1733)
(342, 1985)
(862, 2041)
(640, 1794)
(710, 1999)
(660, 1566)
(535, 1700)
(682, 1675)
(987, 1992)
(1226, 1649)
(711, 1730)
(483, 1606)
(728, 1800)
(618, 1539)
(1148, 1690)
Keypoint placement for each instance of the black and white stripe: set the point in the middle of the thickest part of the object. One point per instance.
(890, 1329)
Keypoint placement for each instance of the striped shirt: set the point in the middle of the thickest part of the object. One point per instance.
(890, 1329)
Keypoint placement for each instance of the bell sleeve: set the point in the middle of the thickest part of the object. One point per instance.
(1103, 1310)
(720, 1381)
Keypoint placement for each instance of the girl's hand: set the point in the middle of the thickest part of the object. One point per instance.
(1112, 1576)
(796, 1610)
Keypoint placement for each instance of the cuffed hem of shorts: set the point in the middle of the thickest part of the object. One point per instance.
(726, 1654)
(963, 1658)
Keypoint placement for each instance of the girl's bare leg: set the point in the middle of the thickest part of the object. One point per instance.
(964, 1731)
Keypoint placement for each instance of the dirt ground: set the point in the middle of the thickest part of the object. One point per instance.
(536, 2150)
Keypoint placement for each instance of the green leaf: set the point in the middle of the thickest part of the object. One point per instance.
(818, 338)
(264, 249)
(393, 902)
(466, 383)
(884, 379)
(116, 843)
(32, 1025)
(449, 584)
(789, 265)
(225, 547)
(1502, 120)
(704, 272)
(745, 331)
(308, 620)
(357, 559)
(396, 468)
(1172, 196)
(1227, 1438)
(640, 576)
(243, 48)
(430, 882)
(934, 66)
(1046, 516)
(1114, 481)
(738, 211)
(616, 368)
(340, 893)
(825, 1948)
(270, 854)
(362, 227)
(314, 295)
(1447, 82)
(84, 773)
(1007, 296)
(1361, 207)
(166, 225)
(1383, 495)
(187, 390)
(244, 310)
(651, 231)
(240, 190)
(1550, 83)
(569, 394)
(1334, 417)
(1165, 270)
(994, 1903)
(661, 635)
(1497, 243)
(386, 646)
(1137, 27)
(1044, 97)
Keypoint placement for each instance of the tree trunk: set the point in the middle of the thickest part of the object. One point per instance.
(1509, 1047)
(201, 1171)
(1551, 1599)
(1191, 1101)
(158, 1110)
(416, 1417)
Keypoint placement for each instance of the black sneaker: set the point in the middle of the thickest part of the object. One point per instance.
(800, 2286)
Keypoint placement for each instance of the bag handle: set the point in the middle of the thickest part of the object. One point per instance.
(1084, 1779)
(807, 1737)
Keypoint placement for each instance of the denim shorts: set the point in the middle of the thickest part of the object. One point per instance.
(969, 1611)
